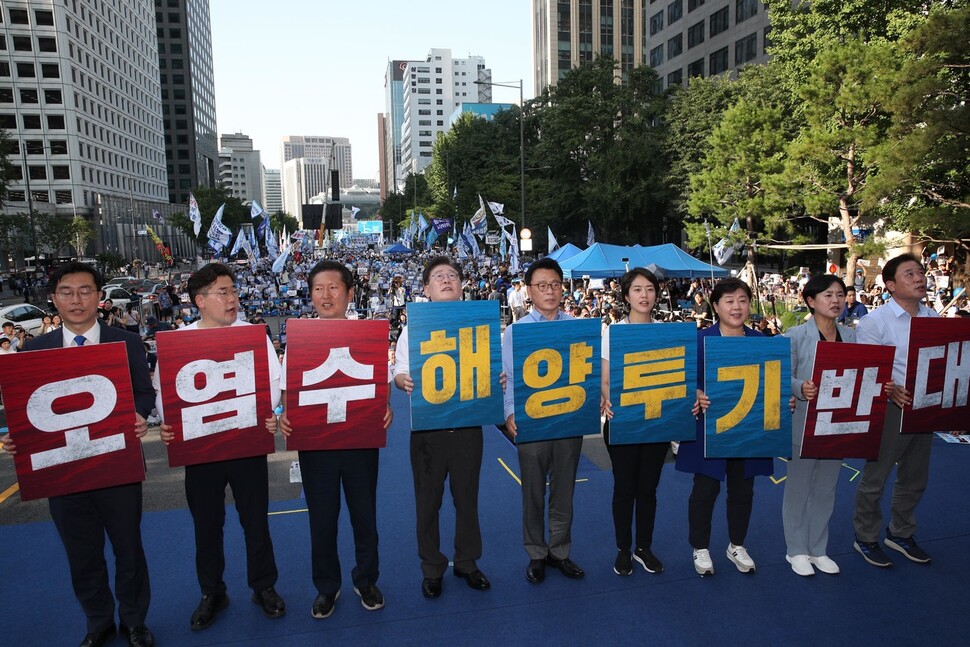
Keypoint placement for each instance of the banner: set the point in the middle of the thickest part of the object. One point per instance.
(938, 376)
(557, 367)
(336, 383)
(71, 413)
(216, 393)
(846, 419)
(743, 378)
(441, 225)
(653, 382)
(455, 355)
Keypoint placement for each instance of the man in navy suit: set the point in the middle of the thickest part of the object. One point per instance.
(83, 518)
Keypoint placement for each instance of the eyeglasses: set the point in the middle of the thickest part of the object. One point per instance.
(545, 287)
(66, 293)
(441, 277)
(223, 295)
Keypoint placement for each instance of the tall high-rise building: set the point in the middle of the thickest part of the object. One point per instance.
(80, 100)
(678, 38)
(431, 90)
(188, 95)
(390, 123)
(272, 190)
(334, 151)
(303, 178)
(240, 169)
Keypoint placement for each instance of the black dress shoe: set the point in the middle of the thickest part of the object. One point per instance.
(566, 566)
(431, 587)
(140, 636)
(209, 607)
(270, 602)
(536, 571)
(98, 638)
(476, 579)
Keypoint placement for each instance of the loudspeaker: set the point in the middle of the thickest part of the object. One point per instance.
(334, 185)
(335, 219)
(312, 215)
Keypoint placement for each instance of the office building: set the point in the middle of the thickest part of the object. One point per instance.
(303, 178)
(334, 151)
(272, 190)
(678, 38)
(240, 169)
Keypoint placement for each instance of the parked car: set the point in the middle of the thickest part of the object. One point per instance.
(28, 316)
(119, 296)
(121, 280)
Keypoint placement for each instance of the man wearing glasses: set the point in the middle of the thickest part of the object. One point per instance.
(84, 518)
(557, 459)
(213, 292)
(440, 454)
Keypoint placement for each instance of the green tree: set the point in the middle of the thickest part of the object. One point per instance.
(6, 166)
(15, 234)
(81, 234)
(281, 219)
(53, 233)
(416, 197)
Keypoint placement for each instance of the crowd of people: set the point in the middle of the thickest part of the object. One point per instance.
(369, 285)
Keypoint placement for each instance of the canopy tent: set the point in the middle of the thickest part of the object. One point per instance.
(602, 260)
(565, 252)
(397, 248)
(675, 262)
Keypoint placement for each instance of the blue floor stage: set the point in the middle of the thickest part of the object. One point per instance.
(908, 604)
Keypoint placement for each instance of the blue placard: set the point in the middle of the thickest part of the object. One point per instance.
(455, 354)
(653, 382)
(748, 381)
(556, 368)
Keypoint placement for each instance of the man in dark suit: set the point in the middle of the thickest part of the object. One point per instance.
(83, 518)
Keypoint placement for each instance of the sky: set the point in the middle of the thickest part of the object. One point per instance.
(316, 67)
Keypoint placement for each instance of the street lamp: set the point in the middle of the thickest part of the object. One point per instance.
(524, 233)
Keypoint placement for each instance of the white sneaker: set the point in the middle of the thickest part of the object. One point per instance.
(825, 564)
(740, 557)
(801, 564)
(702, 562)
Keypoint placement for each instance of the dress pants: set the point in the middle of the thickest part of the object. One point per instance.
(808, 504)
(557, 460)
(205, 491)
(323, 473)
(457, 456)
(910, 455)
(636, 474)
(82, 520)
(700, 510)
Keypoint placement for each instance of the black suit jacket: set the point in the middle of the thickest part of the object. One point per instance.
(141, 383)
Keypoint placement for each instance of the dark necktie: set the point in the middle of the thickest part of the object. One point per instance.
(79, 340)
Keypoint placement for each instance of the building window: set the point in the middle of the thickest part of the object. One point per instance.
(45, 44)
(28, 95)
(694, 4)
(61, 172)
(34, 146)
(37, 172)
(64, 196)
(695, 35)
(55, 122)
(675, 78)
(45, 18)
(675, 11)
(31, 122)
(6, 95)
(19, 17)
(656, 22)
(21, 44)
(58, 147)
(26, 70)
(746, 49)
(8, 122)
(675, 46)
(744, 9)
(41, 196)
(719, 61)
(719, 21)
(657, 56)
(53, 96)
(50, 71)
(696, 68)
(4, 68)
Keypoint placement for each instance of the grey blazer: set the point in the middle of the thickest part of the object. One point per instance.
(803, 342)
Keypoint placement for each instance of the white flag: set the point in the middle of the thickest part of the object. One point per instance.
(280, 262)
(218, 232)
(553, 245)
(255, 210)
(194, 214)
(723, 251)
(590, 236)
(503, 221)
(496, 208)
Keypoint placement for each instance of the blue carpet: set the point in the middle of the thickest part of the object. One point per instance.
(908, 604)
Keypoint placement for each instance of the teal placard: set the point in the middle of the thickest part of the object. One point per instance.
(748, 380)
(653, 382)
(556, 370)
(455, 355)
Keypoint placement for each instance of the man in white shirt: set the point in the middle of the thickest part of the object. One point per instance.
(909, 454)
(517, 300)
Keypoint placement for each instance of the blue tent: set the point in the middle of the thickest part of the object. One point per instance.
(566, 251)
(397, 248)
(676, 262)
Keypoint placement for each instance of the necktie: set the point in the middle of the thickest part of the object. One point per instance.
(79, 340)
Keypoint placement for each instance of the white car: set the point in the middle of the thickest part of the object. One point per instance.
(28, 316)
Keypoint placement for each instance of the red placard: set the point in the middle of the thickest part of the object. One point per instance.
(71, 413)
(938, 376)
(336, 383)
(216, 393)
(845, 419)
